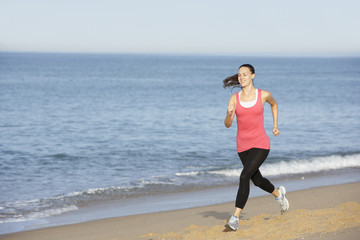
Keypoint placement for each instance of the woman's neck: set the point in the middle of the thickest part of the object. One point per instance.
(248, 90)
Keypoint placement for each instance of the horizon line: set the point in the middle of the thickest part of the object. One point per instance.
(215, 54)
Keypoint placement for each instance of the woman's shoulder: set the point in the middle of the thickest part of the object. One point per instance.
(235, 94)
(266, 96)
(264, 93)
(233, 97)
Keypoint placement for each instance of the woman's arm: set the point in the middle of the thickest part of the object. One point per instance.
(230, 111)
(267, 97)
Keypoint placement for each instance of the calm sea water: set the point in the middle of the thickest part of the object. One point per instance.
(81, 128)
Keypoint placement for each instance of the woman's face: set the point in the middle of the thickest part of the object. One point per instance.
(245, 76)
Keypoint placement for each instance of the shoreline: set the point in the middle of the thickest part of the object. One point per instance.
(155, 225)
(156, 203)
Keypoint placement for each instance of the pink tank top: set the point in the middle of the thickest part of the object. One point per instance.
(250, 121)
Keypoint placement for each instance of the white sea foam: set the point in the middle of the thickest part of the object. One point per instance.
(227, 172)
(316, 164)
(194, 173)
(39, 215)
(92, 191)
(53, 212)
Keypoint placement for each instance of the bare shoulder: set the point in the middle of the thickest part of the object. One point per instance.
(233, 98)
(266, 95)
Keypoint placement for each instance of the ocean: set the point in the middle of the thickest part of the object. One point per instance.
(82, 130)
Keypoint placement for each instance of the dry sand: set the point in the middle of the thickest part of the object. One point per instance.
(322, 213)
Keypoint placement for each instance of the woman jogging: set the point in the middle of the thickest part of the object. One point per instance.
(253, 145)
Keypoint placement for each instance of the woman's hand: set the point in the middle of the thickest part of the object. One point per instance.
(276, 131)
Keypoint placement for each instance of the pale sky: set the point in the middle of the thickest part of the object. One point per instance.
(183, 26)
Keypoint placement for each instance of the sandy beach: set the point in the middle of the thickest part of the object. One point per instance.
(331, 212)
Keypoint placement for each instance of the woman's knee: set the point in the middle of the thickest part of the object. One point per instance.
(244, 177)
(257, 182)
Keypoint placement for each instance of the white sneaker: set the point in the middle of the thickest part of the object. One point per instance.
(283, 202)
(233, 223)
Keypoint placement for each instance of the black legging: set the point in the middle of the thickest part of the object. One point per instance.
(252, 160)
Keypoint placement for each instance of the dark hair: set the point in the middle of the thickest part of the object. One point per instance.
(233, 81)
